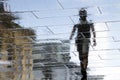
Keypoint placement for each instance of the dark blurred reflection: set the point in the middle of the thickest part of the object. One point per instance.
(84, 30)
(94, 77)
(47, 73)
(84, 78)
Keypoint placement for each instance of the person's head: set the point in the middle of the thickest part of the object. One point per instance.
(83, 14)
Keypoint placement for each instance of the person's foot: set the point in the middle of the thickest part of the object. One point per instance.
(84, 78)
(84, 75)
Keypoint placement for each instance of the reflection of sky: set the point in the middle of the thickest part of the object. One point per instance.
(54, 19)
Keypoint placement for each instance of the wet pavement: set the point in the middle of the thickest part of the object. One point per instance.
(52, 21)
(106, 67)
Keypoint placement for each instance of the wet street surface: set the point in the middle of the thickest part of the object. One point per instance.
(35, 44)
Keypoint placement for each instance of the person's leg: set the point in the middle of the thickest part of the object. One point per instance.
(83, 59)
(84, 63)
(84, 56)
(82, 49)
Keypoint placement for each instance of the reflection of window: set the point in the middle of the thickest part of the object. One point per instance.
(10, 52)
(9, 66)
(27, 52)
(27, 47)
(1, 6)
(66, 57)
(0, 43)
(18, 49)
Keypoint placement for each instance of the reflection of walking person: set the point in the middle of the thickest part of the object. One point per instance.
(84, 30)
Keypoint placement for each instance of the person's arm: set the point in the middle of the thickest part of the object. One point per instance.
(94, 34)
(73, 32)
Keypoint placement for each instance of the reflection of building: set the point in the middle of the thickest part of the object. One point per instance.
(16, 47)
(51, 61)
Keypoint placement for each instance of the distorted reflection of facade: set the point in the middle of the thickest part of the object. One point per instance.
(15, 47)
(52, 61)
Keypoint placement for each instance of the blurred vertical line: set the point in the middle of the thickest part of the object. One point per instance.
(99, 10)
(113, 38)
(67, 73)
(74, 53)
(71, 20)
(92, 47)
(60, 4)
(107, 26)
(35, 15)
(50, 30)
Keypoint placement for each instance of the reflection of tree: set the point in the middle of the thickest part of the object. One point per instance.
(16, 46)
(52, 47)
(54, 51)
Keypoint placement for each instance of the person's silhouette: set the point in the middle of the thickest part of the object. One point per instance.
(84, 30)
